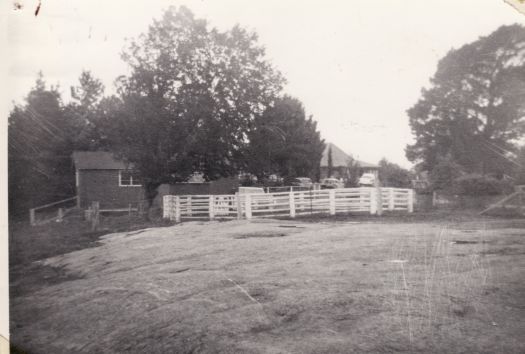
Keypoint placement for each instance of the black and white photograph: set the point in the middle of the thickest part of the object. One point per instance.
(262, 177)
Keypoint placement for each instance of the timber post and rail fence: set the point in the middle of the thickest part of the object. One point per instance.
(52, 216)
(372, 200)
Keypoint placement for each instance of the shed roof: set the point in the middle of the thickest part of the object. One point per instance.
(341, 158)
(97, 160)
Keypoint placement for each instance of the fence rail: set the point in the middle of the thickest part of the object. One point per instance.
(44, 214)
(257, 205)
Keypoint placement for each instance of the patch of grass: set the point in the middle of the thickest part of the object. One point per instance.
(30, 243)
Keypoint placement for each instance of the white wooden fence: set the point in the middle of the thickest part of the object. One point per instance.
(257, 205)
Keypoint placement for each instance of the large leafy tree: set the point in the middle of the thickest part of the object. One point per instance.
(285, 142)
(191, 97)
(474, 110)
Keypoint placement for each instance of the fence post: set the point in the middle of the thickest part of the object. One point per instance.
(410, 200)
(78, 201)
(331, 197)
(238, 205)
(95, 207)
(248, 206)
(32, 217)
(188, 204)
(168, 204)
(88, 214)
(379, 200)
(211, 211)
(391, 205)
(165, 210)
(32, 220)
(177, 208)
(434, 198)
(373, 201)
(291, 197)
(60, 214)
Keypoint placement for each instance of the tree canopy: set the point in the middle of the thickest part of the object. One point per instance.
(284, 142)
(40, 142)
(196, 100)
(474, 110)
(83, 111)
(393, 175)
(191, 98)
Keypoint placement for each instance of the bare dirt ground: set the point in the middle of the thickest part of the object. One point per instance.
(274, 286)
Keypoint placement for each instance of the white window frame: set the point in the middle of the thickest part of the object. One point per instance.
(131, 184)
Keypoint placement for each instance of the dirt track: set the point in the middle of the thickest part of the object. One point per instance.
(283, 287)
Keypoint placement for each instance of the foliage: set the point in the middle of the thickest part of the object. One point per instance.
(284, 142)
(190, 100)
(475, 106)
(40, 142)
(354, 172)
(84, 111)
(43, 133)
(330, 162)
(393, 175)
(478, 185)
(444, 173)
(519, 168)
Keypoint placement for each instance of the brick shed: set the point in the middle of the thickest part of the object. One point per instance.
(101, 177)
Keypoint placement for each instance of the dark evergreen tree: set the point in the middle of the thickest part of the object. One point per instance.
(84, 111)
(474, 110)
(41, 140)
(283, 141)
(330, 162)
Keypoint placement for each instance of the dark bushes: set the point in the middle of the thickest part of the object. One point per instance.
(477, 185)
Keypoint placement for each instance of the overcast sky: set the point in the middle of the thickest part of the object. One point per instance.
(356, 65)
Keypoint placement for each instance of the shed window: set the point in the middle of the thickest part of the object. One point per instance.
(129, 178)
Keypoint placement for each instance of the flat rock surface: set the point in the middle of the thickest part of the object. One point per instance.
(273, 286)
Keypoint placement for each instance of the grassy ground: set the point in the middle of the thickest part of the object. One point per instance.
(428, 283)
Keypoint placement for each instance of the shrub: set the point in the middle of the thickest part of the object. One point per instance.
(444, 173)
(475, 184)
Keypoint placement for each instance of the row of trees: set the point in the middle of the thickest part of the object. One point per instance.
(472, 118)
(42, 134)
(196, 100)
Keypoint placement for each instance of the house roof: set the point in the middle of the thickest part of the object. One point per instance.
(97, 160)
(341, 158)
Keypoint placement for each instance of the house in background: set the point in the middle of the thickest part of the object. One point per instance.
(103, 178)
(340, 161)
